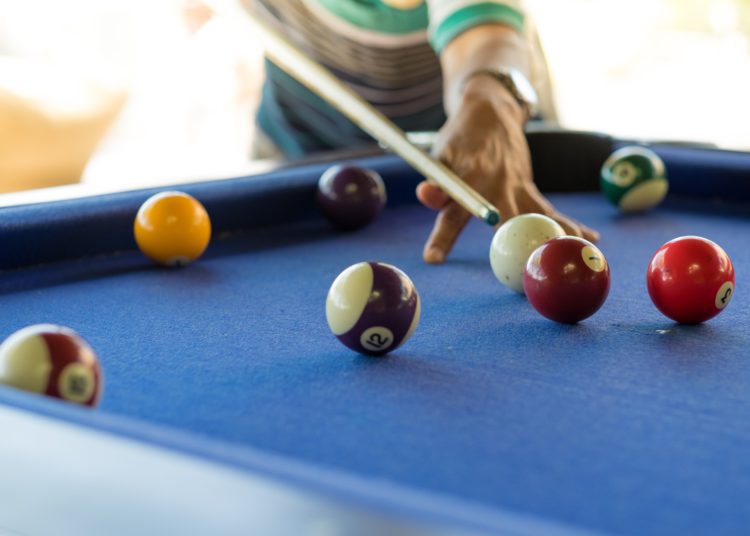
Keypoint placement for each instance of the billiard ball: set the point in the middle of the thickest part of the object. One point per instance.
(51, 360)
(690, 279)
(566, 279)
(514, 241)
(350, 197)
(634, 179)
(372, 308)
(172, 228)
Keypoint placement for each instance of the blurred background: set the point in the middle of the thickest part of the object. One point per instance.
(122, 94)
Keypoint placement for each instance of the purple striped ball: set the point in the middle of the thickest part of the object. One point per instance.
(373, 308)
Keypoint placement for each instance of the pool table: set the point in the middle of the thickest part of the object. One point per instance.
(230, 408)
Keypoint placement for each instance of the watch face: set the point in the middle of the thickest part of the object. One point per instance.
(524, 88)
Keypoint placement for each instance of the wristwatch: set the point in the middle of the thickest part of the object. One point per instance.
(518, 85)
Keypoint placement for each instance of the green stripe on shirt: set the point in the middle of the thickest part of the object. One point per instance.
(470, 16)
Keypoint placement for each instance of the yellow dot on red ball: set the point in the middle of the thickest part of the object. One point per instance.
(172, 228)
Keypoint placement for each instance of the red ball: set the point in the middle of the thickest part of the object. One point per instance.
(566, 279)
(53, 361)
(690, 279)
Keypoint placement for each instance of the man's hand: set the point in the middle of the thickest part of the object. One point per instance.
(483, 142)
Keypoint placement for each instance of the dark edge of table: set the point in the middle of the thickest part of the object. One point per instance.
(563, 162)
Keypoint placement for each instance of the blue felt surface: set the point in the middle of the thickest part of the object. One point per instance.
(626, 423)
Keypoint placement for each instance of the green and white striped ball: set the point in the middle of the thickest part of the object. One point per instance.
(634, 179)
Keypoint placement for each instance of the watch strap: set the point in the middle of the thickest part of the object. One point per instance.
(515, 82)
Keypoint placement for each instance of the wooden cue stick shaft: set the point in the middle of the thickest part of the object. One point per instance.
(321, 81)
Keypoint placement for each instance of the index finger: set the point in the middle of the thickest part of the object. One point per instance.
(448, 226)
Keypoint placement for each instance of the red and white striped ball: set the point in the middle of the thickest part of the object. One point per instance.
(54, 361)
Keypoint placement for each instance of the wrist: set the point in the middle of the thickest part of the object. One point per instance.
(485, 87)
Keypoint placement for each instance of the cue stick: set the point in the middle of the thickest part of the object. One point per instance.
(326, 85)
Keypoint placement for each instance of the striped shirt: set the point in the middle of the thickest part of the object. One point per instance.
(385, 50)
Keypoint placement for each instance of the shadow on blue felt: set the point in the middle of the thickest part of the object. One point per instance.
(133, 262)
(707, 207)
(645, 219)
(244, 241)
(410, 222)
(195, 275)
(405, 369)
(686, 347)
(99, 268)
(468, 263)
(687, 341)
(670, 330)
(69, 272)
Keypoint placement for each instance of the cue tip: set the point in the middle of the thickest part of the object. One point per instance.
(491, 217)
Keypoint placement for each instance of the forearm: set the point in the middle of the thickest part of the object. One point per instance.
(481, 47)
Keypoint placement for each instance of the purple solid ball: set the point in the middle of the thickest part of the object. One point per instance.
(373, 307)
(350, 197)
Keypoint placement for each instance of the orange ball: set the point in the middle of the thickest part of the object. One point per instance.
(172, 228)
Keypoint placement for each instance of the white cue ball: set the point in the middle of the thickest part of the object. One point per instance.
(513, 243)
